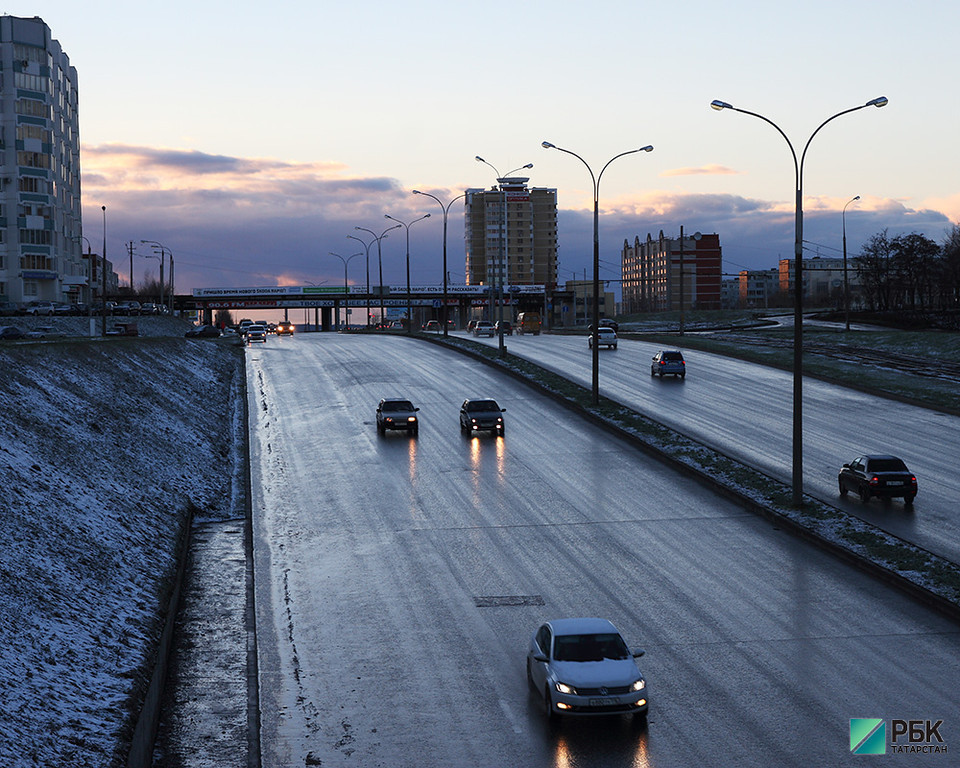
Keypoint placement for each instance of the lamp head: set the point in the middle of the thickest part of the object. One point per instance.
(648, 148)
(547, 145)
(880, 101)
(857, 197)
(417, 192)
(718, 105)
(528, 165)
(479, 159)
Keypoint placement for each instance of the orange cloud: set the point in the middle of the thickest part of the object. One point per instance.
(704, 170)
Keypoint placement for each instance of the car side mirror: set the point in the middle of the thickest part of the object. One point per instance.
(846, 466)
(416, 409)
(638, 652)
(503, 410)
(540, 657)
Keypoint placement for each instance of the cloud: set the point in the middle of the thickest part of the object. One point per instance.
(259, 221)
(705, 170)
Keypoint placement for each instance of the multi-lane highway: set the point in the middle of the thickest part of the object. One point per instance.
(398, 580)
(745, 411)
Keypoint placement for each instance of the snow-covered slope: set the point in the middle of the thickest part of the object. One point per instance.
(104, 444)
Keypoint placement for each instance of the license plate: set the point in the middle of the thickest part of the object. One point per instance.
(895, 482)
(604, 702)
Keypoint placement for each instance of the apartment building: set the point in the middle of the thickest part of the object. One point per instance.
(822, 280)
(510, 234)
(40, 220)
(666, 273)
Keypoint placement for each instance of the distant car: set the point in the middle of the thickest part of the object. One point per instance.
(433, 326)
(481, 415)
(127, 308)
(395, 413)
(203, 332)
(606, 337)
(484, 328)
(285, 328)
(62, 309)
(528, 322)
(43, 308)
(397, 324)
(256, 333)
(124, 329)
(883, 476)
(10, 332)
(506, 325)
(668, 363)
(7, 307)
(584, 667)
(606, 322)
(149, 308)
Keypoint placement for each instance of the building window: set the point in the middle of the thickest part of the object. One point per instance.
(34, 184)
(33, 159)
(31, 288)
(35, 237)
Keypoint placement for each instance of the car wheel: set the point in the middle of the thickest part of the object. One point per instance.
(653, 371)
(416, 431)
(683, 375)
(661, 374)
(502, 430)
(548, 706)
(843, 488)
(530, 676)
(864, 494)
(908, 501)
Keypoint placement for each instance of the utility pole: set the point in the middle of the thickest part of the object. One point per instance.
(130, 249)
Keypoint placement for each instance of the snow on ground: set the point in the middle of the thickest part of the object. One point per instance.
(103, 447)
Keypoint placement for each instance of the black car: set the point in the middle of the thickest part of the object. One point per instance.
(506, 326)
(394, 413)
(883, 476)
(10, 332)
(479, 415)
(203, 332)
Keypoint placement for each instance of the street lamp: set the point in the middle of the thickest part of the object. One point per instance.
(167, 251)
(366, 248)
(798, 283)
(498, 276)
(378, 238)
(596, 254)
(846, 285)
(346, 304)
(407, 226)
(446, 210)
(103, 271)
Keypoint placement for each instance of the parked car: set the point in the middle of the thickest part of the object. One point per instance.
(395, 413)
(43, 332)
(124, 329)
(10, 332)
(203, 332)
(584, 667)
(36, 308)
(127, 308)
(484, 328)
(883, 476)
(606, 337)
(7, 307)
(256, 333)
(284, 328)
(62, 309)
(149, 308)
(481, 414)
(667, 363)
(506, 325)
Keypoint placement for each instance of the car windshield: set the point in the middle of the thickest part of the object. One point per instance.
(887, 465)
(589, 647)
(398, 405)
(477, 406)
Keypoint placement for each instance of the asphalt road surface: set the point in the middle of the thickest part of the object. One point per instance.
(398, 581)
(746, 411)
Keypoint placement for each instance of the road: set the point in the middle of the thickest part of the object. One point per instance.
(745, 410)
(398, 581)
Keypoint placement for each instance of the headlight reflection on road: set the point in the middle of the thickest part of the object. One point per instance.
(569, 751)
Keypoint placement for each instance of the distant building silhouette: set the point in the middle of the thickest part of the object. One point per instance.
(651, 271)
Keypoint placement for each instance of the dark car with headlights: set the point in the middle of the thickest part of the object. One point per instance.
(883, 476)
(396, 413)
(203, 332)
(480, 415)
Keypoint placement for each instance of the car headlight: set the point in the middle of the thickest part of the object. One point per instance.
(639, 685)
(412, 419)
(568, 689)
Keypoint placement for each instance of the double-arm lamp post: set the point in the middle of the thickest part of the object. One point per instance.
(346, 286)
(406, 226)
(378, 238)
(366, 248)
(596, 254)
(446, 210)
(500, 273)
(798, 283)
(846, 284)
(168, 252)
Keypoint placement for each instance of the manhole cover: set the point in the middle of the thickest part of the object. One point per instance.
(500, 601)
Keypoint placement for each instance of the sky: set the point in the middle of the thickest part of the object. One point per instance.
(251, 139)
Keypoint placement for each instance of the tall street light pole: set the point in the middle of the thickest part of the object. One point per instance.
(846, 284)
(366, 248)
(407, 226)
(498, 275)
(798, 282)
(346, 287)
(378, 238)
(103, 272)
(168, 252)
(595, 344)
(446, 210)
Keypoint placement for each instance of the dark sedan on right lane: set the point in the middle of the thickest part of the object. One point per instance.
(875, 475)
